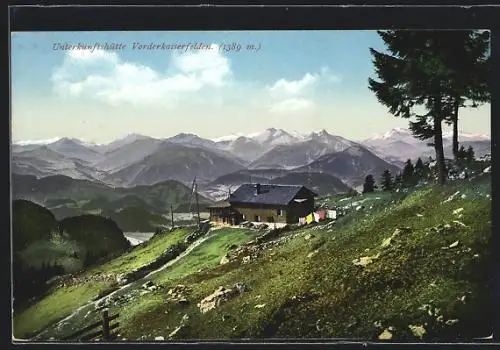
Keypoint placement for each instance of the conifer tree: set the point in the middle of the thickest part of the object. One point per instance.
(408, 175)
(421, 71)
(461, 156)
(387, 182)
(369, 185)
(469, 155)
(398, 180)
(419, 169)
(467, 56)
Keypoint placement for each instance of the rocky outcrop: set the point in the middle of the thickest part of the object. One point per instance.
(150, 286)
(254, 249)
(220, 296)
(224, 259)
(178, 294)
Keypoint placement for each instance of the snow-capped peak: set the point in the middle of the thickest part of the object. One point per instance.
(37, 142)
(273, 136)
(276, 136)
(230, 137)
(299, 135)
(395, 132)
(467, 136)
(405, 136)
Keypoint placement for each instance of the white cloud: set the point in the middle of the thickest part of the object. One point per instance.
(286, 88)
(209, 67)
(291, 105)
(306, 85)
(103, 75)
(289, 96)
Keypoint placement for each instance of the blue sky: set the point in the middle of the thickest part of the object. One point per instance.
(298, 80)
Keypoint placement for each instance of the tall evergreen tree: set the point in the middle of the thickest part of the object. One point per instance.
(408, 175)
(398, 180)
(418, 73)
(461, 152)
(467, 55)
(387, 182)
(369, 185)
(419, 169)
(461, 156)
(469, 155)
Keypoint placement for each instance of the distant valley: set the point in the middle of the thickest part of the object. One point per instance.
(139, 208)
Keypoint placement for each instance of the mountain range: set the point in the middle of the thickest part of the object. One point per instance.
(398, 144)
(142, 160)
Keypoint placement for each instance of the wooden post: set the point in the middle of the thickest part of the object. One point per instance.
(105, 325)
(172, 213)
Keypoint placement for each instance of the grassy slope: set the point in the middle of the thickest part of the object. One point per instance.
(346, 300)
(56, 306)
(143, 254)
(202, 258)
(207, 255)
(50, 309)
(215, 246)
(349, 300)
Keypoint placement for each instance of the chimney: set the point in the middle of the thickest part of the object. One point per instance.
(257, 189)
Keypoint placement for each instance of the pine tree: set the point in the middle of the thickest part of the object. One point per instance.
(369, 185)
(412, 75)
(467, 55)
(461, 156)
(408, 175)
(387, 182)
(398, 180)
(462, 153)
(469, 155)
(420, 72)
(419, 169)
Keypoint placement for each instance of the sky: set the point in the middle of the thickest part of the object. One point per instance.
(69, 84)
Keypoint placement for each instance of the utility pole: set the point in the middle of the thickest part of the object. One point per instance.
(197, 203)
(172, 215)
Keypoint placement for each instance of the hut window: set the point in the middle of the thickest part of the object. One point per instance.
(279, 212)
(257, 218)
